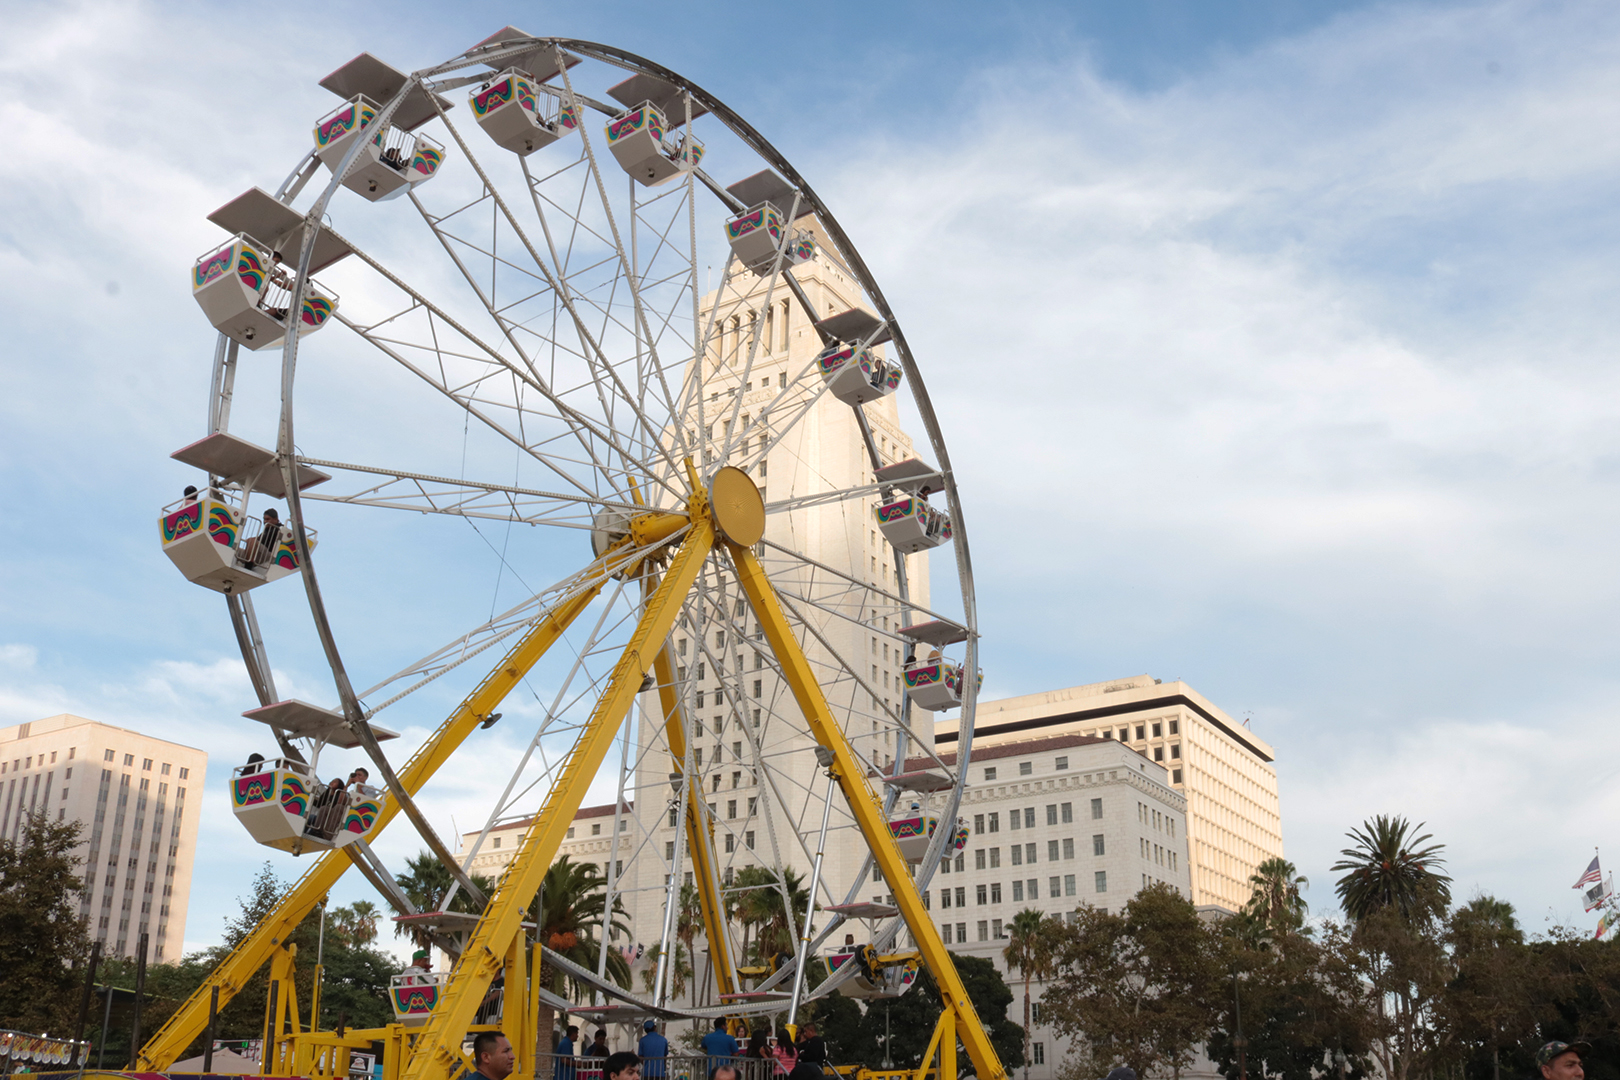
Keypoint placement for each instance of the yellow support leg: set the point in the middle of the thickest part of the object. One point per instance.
(188, 1021)
(868, 812)
(699, 835)
(516, 1022)
(437, 1053)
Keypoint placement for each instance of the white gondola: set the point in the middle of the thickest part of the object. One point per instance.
(282, 806)
(391, 160)
(856, 376)
(867, 983)
(935, 683)
(414, 996)
(758, 233)
(911, 525)
(517, 116)
(245, 292)
(643, 150)
(217, 546)
(914, 831)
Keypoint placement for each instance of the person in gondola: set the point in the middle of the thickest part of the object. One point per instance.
(326, 812)
(259, 550)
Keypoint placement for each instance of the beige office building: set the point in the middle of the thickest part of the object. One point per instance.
(138, 800)
(1223, 770)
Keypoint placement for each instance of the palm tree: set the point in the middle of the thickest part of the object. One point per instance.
(688, 925)
(362, 921)
(1029, 949)
(426, 882)
(759, 906)
(567, 916)
(1390, 869)
(1275, 906)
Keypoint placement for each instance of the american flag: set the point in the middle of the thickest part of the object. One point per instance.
(1592, 874)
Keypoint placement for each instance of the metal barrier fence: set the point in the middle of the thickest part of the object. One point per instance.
(673, 1067)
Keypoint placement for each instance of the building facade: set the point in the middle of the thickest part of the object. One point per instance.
(1225, 772)
(137, 799)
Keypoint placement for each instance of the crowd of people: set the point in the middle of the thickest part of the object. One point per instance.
(791, 1059)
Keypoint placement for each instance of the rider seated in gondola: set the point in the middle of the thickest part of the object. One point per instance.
(326, 812)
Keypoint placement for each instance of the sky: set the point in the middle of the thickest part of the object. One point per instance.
(1273, 344)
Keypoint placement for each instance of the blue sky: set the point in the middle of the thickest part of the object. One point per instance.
(1273, 342)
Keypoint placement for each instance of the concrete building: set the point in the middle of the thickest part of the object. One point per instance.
(1057, 822)
(137, 798)
(1225, 771)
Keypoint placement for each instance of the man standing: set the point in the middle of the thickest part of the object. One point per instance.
(622, 1066)
(416, 973)
(492, 1054)
(1562, 1060)
(652, 1049)
(720, 1046)
(564, 1069)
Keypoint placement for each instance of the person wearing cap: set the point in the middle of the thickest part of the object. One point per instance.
(416, 974)
(652, 1049)
(1122, 1072)
(1562, 1060)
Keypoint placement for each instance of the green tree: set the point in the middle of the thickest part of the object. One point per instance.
(1276, 906)
(1499, 987)
(567, 916)
(757, 903)
(913, 1016)
(426, 882)
(1389, 868)
(1030, 938)
(357, 922)
(1402, 971)
(1141, 987)
(41, 934)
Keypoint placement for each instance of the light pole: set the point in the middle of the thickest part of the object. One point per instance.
(888, 1059)
(1239, 1043)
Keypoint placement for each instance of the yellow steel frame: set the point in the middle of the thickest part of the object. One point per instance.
(437, 1053)
(867, 809)
(171, 1041)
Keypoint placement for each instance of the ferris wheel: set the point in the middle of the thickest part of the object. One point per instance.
(571, 290)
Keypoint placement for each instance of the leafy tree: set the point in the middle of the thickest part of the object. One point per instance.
(567, 916)
(1030, 937)
(357, 922)
(913, 1016)
(1499, 989)
(41, 935)
(1389, 868)
(427, 881)
(1275, 906)
(757, 902)
(1141, 987)
(1402, 972)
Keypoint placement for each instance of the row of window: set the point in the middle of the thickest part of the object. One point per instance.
(18, 764)
(1024, 817)
(1023, 889)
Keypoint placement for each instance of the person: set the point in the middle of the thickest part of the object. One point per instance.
(759, 1044)
(599, 1048)
(621, 1066)
(326, 812)
(254, 760)
(812, 1047)
(564, 1066)
(652, 1049)
(1562, 1060)
(1122, 1072)
(786, 1055)
(492, 1055)
(190, 494)
(416, 973)
(806, 1070)
(718, 1045)
(358, 784)
(259, 550)
(723, 1072)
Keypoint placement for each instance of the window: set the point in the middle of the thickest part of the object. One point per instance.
(1175, 776)
(1061, 764)
(495, 843)
(1175, 750)
(961, 896)
(571, 828)
(1025, 768)
(1158, 753)
(961, 933)
(1051, 851)
(1034, 892)
(1035, 1012)
(981, 894)
(1097, 844)
(669, 851)
(990, 773)
(674, 819)
(945, 901)
(984, 930)
(1029, 854)
(995, 821)
(945, 933)
(995, 929)
(995, 858)
(1068, 813)
(1175, 727)
(1124, 734)
(758, 687)
(596, 830)
(1018, 854)
(978, 858)
(1054, 886)
(731, 842)
(108, 756)
(961, 863)
(731, 808)
(1051, 814)
(978, 824)
(1029, 817)
(1102, 880)
(146, 764)
(1158, 730)
(1037, 1052)
(1018, 891)
(1068, 847)
(1096, 809)
(185, 774)
(748, 840)
(1068, 884)
(995, 894)
(1015, 818)
(129, 759)
(752, 803)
